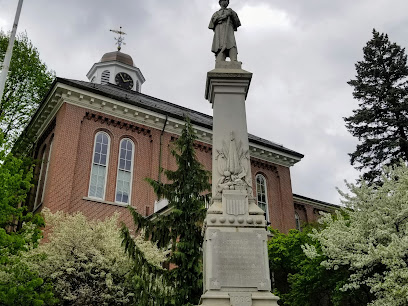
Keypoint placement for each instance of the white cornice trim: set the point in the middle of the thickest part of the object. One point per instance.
(98, 103)
(46, 112)
(272, 155)
(315, 203)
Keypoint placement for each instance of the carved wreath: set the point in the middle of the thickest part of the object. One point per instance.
(233, 166)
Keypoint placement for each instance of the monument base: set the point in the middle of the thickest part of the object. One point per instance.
(228, 65)
(239, 299)
(236, 269)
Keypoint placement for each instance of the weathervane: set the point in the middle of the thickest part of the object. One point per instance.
(120, 39)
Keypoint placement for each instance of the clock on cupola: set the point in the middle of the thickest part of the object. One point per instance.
(117, 68)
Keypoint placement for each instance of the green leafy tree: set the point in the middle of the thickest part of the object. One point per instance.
(286, 259)
(27, 83)
(19, 233)
(85, 262)
(381, 121)
(300, 280)
(371, 240)
(180, 229)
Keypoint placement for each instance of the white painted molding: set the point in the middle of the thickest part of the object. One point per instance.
(63, 93)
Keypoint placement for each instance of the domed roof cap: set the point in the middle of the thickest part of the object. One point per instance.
(117, 56)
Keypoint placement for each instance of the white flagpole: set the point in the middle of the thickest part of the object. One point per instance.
(7, 57)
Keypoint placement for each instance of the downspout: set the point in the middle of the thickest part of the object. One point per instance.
(160, 150)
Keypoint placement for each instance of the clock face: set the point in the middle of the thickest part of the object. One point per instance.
(124, 80)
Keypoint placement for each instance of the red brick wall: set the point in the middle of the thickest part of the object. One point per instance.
(279, 193)
(309, 213)
(63, 159)
(71, 160)
(301, 211)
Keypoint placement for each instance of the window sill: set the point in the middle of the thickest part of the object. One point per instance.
(37, 207)
(105, 202)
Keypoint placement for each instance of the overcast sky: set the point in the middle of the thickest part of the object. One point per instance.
(301, 52)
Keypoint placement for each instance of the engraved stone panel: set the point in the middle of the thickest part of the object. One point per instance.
(241, 298)
(238, 260)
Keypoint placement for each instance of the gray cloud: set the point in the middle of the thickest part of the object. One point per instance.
(302, 53)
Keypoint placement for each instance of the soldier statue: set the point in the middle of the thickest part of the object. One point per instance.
(224, 23)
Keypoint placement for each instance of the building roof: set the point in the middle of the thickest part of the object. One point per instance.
(117, 56)
(303, 199)
(160, 106)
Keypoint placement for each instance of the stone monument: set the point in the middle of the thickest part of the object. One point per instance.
(236, 267)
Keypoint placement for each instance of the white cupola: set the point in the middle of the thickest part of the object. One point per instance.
(117, 68)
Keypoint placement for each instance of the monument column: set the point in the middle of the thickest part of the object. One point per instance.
(236, 266)
(227, 90)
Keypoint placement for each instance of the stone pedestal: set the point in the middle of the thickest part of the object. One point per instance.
(236, 268)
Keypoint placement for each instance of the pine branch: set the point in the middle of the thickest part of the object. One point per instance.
(186, 193)
(380, 123)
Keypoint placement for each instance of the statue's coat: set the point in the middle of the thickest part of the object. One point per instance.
(223, 35)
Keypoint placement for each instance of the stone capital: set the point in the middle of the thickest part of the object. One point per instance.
(221, 80)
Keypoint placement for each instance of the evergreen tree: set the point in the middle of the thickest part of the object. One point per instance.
(181, 229)
(381, 121)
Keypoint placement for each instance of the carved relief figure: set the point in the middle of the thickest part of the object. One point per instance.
(233, 166)
(224, 22)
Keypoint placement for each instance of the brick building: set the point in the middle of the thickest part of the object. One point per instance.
(98, 140)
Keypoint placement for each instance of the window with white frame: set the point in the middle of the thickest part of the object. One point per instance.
(125, 166)
(105, 77)
(46, 172)
(297, 221)
(99, 166)
(261, 194)
(38, 196)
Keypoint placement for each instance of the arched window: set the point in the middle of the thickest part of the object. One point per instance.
(99, 166)
(297, 221)
(125, 166)
(261, 195)
(46, 172)
(40, 181)
(105, 77)
(42, 178)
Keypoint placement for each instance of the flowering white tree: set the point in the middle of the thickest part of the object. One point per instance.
(370, 237)
(85, 261)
